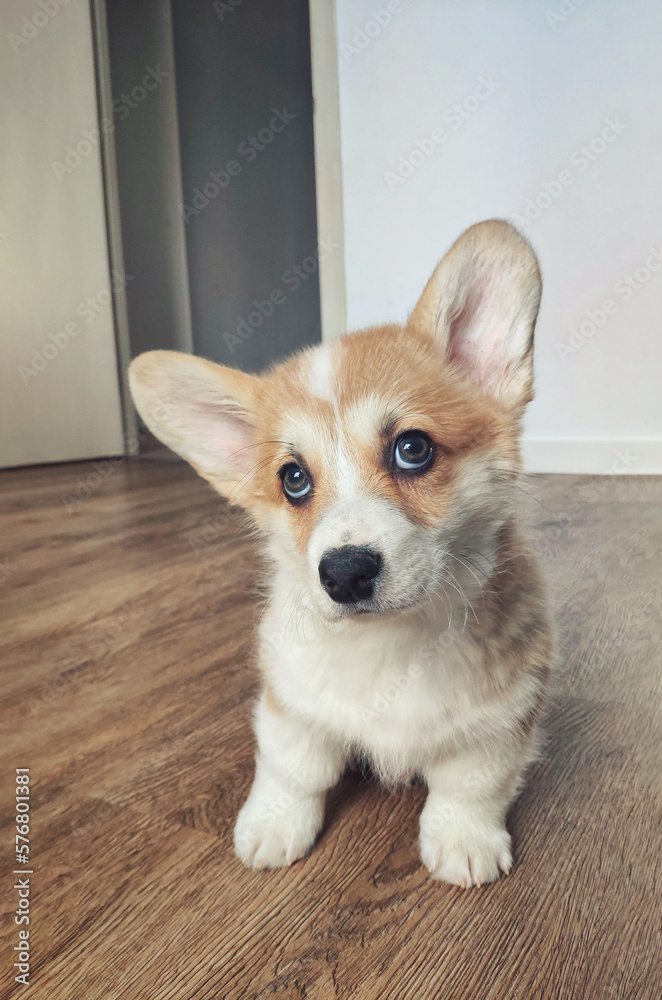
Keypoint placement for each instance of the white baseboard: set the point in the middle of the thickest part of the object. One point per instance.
(593, 457)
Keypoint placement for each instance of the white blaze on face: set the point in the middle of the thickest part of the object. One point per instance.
(321, 373)
(353, 515)
(352, 512)
(365, 521)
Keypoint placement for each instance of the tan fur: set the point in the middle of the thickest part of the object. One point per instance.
(426, 393)
(271, 702)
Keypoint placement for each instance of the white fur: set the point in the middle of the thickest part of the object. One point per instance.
(321, 373)
(400, 692)
(367, 415)
(399, 689)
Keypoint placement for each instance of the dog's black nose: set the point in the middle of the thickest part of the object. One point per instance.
(348, 573)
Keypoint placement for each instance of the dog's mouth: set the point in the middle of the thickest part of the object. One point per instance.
(340, 612)
(374, 608)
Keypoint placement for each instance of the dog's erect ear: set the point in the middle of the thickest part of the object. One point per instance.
(199, 409)
(482, 303)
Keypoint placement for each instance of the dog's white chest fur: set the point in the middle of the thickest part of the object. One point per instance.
(399, 692)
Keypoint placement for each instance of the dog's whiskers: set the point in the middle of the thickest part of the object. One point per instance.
(453, 581)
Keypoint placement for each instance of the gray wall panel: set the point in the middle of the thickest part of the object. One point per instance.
(148, 173)
(235, 64)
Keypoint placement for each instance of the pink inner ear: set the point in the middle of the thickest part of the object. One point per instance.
(481, 303)
(223, 434)
(479, 339)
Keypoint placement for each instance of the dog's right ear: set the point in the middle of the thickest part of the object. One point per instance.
(200, 410)
(481, 304)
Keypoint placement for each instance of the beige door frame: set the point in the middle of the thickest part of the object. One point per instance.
(328, 168)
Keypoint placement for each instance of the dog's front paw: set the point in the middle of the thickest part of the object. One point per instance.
(272, 832)
(463, 847)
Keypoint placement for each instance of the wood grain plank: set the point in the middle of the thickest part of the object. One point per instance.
(127, 686)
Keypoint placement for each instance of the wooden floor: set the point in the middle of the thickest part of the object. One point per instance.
(127, 687)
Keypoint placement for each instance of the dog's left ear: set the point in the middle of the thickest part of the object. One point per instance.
(482, 302)
(202, 411)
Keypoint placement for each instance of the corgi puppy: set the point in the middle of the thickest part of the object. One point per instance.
(406, 621)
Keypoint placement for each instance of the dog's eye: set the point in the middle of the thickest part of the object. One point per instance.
(413, 451)
(296, 482)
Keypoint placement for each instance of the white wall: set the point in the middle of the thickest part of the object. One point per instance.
(554, 87)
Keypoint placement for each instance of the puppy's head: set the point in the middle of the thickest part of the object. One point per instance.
(372, 462)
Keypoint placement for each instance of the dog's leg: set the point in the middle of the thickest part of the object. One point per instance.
(463, 836)
(283, 814)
